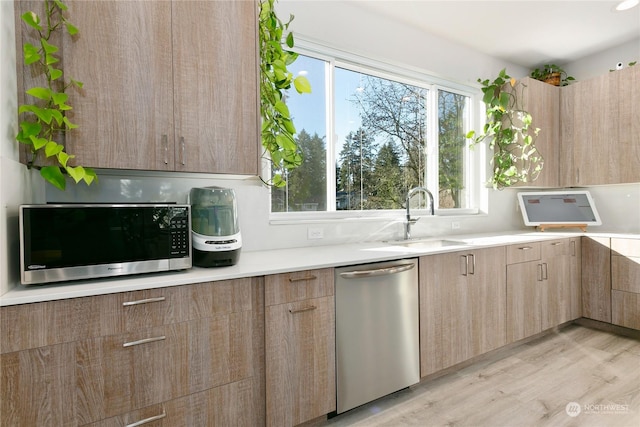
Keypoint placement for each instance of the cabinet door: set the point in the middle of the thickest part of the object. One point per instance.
(488, 299)
(125, 110)
(215, 75)
(596, 278)
(623, 131)
(575, 290)
(462, 306)
(600, 129)
(524, 298)
(300, 361)
(556, 265)
(542, 100)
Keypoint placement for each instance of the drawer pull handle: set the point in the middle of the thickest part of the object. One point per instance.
(525, 248)
(301, 310)
(142, 301)
(557, 243)
(148, 420)
(144, 341)
(303, 278)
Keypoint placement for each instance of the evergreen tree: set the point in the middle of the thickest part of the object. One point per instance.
(356, 160)
(451, 143)
(388, 190)
(306, 187)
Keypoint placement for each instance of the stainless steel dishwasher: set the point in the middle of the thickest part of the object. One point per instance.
(377, 341)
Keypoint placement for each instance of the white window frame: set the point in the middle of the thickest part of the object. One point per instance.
(475, 174)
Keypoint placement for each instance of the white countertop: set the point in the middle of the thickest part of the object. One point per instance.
(275, 261)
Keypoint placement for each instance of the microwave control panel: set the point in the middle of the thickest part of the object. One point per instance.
(180, 233)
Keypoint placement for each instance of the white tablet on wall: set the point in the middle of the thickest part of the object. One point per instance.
(558, 207)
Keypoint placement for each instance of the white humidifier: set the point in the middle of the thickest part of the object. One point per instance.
(215, 231)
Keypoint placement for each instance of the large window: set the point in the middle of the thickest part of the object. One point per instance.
(369, 136)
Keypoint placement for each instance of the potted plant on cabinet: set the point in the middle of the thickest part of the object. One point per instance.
(510, 133)
(44, 119)
(552, 74)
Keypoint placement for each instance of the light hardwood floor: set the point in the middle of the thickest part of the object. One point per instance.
(528, 385)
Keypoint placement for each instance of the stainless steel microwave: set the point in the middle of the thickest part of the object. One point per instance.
(60, 242)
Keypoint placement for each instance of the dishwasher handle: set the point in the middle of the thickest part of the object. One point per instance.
(377, 271)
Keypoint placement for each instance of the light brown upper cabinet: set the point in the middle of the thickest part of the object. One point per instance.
(542, 101)
(600, 129)
(168, 85)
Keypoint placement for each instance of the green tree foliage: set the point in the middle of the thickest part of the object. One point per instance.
(306, 186)
(356, 163)
(452, 141)
(388, 189)
(397, 111)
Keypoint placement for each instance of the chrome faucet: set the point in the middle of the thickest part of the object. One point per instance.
(409, 220)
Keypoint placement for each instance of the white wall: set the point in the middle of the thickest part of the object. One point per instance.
(337, 24)
(601, 63)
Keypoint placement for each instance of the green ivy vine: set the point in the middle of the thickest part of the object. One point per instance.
(45, 119)
(278, 130)
(510, 133)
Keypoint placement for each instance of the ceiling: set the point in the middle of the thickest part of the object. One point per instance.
(526, 33)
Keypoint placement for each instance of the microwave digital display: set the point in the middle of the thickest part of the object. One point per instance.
(66, 242)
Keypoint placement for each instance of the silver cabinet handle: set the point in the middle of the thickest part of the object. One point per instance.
(540, 277)
(377, 272)
(148, 420)
(525, 248)
(165, 145)
(182, 148)
(464, 266)
(303, 278)
(573, 248)
(557, 243)
(472, 270)
(142, 301)
(545, 271)
(144, 341)
(301, 310)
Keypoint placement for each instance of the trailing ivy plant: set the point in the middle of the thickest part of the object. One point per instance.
(278, 130)
(45, 119)
(510, 133)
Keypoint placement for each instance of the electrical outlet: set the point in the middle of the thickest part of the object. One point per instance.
(315, 233)
(455, 225)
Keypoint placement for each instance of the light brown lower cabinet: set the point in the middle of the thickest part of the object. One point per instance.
(543, 286)
(198, 344)
(299, 347)
(625, 282)
(596, 278)
(462, 306)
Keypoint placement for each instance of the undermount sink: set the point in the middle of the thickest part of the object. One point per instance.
(425, 244)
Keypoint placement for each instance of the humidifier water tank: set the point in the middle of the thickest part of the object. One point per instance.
(214, 224)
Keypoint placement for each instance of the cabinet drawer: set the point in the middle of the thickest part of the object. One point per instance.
(298, 286)
(625, 309)
(231, 404)
(120, 373)
(625, 273)
(523, 252)
(625, 247)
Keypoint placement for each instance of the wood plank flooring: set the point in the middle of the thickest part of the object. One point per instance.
(593, 375)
